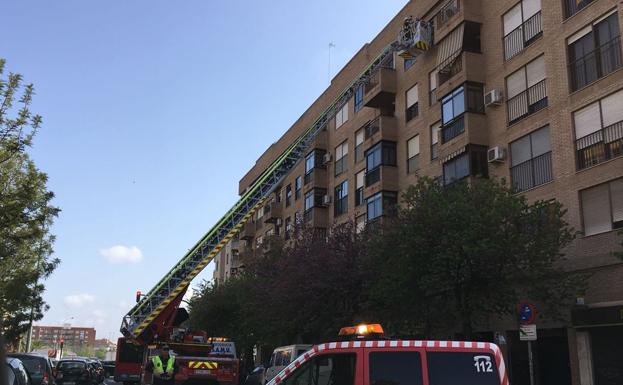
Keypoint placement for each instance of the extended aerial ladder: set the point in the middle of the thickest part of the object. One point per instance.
(146, 319)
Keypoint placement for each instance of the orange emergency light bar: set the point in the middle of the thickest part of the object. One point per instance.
(361, 330)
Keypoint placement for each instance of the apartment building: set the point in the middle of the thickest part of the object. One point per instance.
(72, 336)
(530, 91)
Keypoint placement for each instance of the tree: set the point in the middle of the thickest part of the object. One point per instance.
(455, 256)
(17, 131)
(26, 215)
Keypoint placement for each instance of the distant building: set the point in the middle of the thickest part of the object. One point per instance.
(105, 343)
(73, 336)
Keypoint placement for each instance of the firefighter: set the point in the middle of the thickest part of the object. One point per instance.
(163, 367)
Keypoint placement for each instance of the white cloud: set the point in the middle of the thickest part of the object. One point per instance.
(78, 300)
(122, 254)
(100, 314)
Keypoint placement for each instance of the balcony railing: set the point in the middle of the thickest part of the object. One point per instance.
(574, 6)
(600, 146)
(521, 37)
(412, 112)
(450, 67)
(533, 172)
(447, 12)
(372, 127)
(596, 64)
(453, 129)
(373, 176)
(527, 102)
(308, 177)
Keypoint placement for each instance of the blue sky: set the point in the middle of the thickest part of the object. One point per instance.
(153, 110)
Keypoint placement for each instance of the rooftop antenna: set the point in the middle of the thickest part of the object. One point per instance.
(331, 45)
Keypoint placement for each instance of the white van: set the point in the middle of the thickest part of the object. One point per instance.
(282, 356)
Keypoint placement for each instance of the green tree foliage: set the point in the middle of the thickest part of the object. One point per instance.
(26, 214)
(456, 256)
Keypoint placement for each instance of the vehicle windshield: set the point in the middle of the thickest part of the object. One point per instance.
(33, 365)
(70, 365)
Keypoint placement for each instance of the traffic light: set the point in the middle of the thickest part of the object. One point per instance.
(138, 296)
(62, 341)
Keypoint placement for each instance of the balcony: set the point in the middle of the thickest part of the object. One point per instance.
(596, 64)
(248, 231)
(453, 129)
(272, 212)
(381, 178)
(380, 92)
(469, 128)
(316, 178)
(526, 103)
(380, 128)
(533, 172)
(600, 146)
(447, 12)
(467, 66)
(573, 6)
(316, 217)
(518, 39)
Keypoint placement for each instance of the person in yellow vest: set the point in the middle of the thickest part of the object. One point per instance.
(163, 367)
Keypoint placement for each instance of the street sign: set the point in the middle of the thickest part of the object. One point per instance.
(526, 313)
(527, 332)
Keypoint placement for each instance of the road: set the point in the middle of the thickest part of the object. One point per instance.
(110, 381)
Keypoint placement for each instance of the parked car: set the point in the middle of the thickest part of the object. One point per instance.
(98, 370)
(74, 371)
(257, 376)
(16, 374)
(282, 356)
(38, 367)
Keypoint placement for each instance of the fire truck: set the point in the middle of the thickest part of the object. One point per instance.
(157, 317)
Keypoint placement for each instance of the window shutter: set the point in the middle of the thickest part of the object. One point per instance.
(587, 120)
(536, 71)
(432, 80)
(520, 150)
(612, 108)
(616, 196)
(540, 142)
(530, 8)
(412, 96)
(413, 146)
(344, 148)
(580, 34)
(516, 83)
(360, 178)
(435, 133)
(596, 210)
(359, 137)
(512, 19)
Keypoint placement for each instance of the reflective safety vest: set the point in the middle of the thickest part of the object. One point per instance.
(158, 369)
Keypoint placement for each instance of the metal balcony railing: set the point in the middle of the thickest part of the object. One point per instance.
(453, 129)
(533, 172)
(596, 64)
(528, 102)
(600, 146)
(573, 6)
(373, 176)
(521, 37)
(450, 67)
(447, 12)
(372, 127)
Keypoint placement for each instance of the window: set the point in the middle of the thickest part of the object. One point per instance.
(372, 127)
(341, 117)
(377, 203)
(359, 138)
(381, 154)
(522, 26)
(359, 92)
(432, 88)
(531, 160)
(359, 183)
(288, 195)
(599, 131)
(313, 160)
(325, 369)
(396, 368)
(412, 103)
(360, 223)
(310, 162)
(602, 207)
(413, 152)
(297, 218)
(472, 162)
(341, 158)
(434, 139)
(466, 37)
(408, 63)
(594, 52)
(313, 198)
(526, 90)
(466, 98)
(341, 198)
(468, 368)
(298, 184)
(447, 12)
(574, 6)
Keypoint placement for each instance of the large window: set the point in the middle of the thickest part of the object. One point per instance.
(472, 162)
(313, 160)
(341, 158)
(413, 154)
(341, 198)
(380, 204)
(434, 139)
(522, 26)
(359, 184)
(531, 160)
(341, 117)
(574, 6)
(595, 51)
(359, 138)
(396, 368)
(466, 98)
(526, 90)
(359, 92)
(381, 154)
(466, 37)
(412, 103)
(599, 131)
(313, 198)
(325, 369)
(602, 207)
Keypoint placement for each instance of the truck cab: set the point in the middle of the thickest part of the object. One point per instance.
(366, 360)
(282, 357)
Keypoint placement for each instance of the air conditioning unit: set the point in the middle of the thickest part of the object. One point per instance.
(493, 98)
(278, 222)
(496, 154)
(326, 158)
(326, 199)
